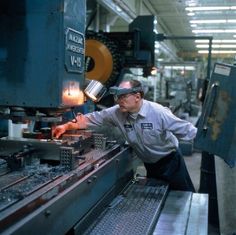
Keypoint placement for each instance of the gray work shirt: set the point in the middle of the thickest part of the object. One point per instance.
(153, 132)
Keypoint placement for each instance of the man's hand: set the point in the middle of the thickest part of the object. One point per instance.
(79, 123)
(59, 130)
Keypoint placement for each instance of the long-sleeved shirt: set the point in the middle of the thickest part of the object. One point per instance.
(153, 132)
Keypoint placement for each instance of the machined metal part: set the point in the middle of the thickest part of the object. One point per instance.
(67, 157)
(99, 141)
(82, 142)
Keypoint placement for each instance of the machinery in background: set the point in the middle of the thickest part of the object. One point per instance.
(110, 54)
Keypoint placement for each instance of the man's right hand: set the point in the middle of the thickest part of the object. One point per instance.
(79, 123)
(59, 130)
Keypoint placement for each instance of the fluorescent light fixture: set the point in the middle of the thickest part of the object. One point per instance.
(193, 25)
(157, 44)
(217, 51)
(213, 8)
(118, 9)
(216, 41)
(111, 6)
(155, 31)
(212, 21)
(217, 46)
(193, 4)
(234, 36)
(191, 14)
(207, 21)
(176, 67)
(214, 31)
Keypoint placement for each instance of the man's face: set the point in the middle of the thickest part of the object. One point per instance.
(127, 102)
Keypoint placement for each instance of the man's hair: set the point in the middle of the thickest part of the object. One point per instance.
(135, 83)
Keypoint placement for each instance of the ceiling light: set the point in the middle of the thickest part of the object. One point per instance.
(192, 4)
(193, 25)
(216, 41)
(191, 14)
(218, 51)
(118, 9)
(215, 8)
(208, 31)
(212, 21)
(111, 6)
(157, 44)
(214, 31)
(216, 46)
(207, 21)
(178, 67)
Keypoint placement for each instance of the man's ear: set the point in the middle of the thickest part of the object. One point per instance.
(138, 96)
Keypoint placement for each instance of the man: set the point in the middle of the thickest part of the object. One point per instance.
(149, 128)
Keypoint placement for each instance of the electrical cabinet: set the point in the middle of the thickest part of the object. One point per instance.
(216, 127)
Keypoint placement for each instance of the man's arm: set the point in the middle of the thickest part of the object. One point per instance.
(79, 123)
(182, 129)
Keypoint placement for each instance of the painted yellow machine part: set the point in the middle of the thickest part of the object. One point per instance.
(103, 62)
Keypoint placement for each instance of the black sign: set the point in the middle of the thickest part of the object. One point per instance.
(74, 51)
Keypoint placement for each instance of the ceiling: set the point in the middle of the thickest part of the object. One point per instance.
(173, 15)
(173, 20)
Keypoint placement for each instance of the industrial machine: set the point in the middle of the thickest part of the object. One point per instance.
(50, 186)
(215, 133)
(42, 58)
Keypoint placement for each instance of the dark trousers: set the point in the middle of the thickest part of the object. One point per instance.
(171, 169)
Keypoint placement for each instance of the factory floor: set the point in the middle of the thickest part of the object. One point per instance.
(193, 164)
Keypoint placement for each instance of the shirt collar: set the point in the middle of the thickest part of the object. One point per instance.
(144, 109)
